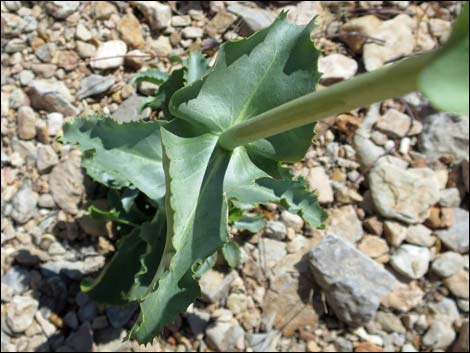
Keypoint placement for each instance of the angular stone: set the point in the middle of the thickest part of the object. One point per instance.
(254, 18)
(94, 85)
(224, 336)
(109, 55)
(420, 235)
(405, 195)
(62, 9)
(276, 230)
(17, 279)
(26, 121)
(51, 96)
(365, 26)
(390, 322)
(128, 110)
(220, 23)
(161, 46)
(215, 286)
(354, 283)
(24, 204)
(394, 123)
(336, 67)
(20, 313)
(439, 336)
(130, 31)
(157, 14)
(54, 123)
(458, 284)
(404, 297)
(456, 237)
(47, 158)
(411, 261)
(445, 135)
(102, 10)
(450, 198)
(66, 183)
(344, 222)
(319, 182)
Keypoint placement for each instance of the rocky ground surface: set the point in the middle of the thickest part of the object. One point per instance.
(389, 273)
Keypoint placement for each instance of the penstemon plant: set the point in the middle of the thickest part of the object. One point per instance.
(175, 183)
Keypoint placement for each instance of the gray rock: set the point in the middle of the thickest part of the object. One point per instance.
(445, 310)
(15, 45)
(26, 77)
(66, 183)
(223, 336)
(81, 340)
(17, 279)
(462, 343)
(128, 110)
(46, 52)
(73, 269)
(198, 321)
(62, 9)
(271, 251)
(13, 25)
(254, 18)
(157, 14)
(71, 320)
(20, 313)
(447, 264)
(394, 123)
(263, 342)
(215, 286)
(445, 135)
(456, 237)
(85, 50)
(17, 98)
(420, 235)
(24, 204)
(354, 283)
(344, 222)
(26, 120)
(87, 312)
(220, 23)
(411, 261)
(439, 336)
(405, 195)
(120, 316)
(51, 96)
(94, 85)
(47, 158)
(276, 230)
(450, 198)
(46, 201)
(390, 322)
(109, 55)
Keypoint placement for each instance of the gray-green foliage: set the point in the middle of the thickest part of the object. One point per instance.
(188, 178)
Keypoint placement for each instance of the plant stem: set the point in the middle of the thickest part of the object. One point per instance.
(391, 81)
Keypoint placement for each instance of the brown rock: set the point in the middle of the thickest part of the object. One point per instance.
(68, 59)
(367, 347)
(26, 122)
(404, 297)
(458, 284)
(373, 246)
(374, 226)
(130, 31)
(220, 23)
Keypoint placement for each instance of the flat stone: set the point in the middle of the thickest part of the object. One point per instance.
(458, 284)
(404, 297)
(420, 235)
(130, 31)
(24, 204)
(128, 110)
(439, 336)
(51, 96)
(94, 85)
(447, 264)
(192, 32)
(390, 322)
(26, 122)
(336, 67)
(66, 183)
(456, 237)
(344, 222)
(158, 15)
(394, 123)
(20, 313)
(109, 55)
(319, 182)
(373, 246)
(73, 269)
(68, 59)
(354, 284)
(215, 286)
(254, 18)
(445, 135)
(47, 158)
(220, 23)
(224, 336)
(411, 261)
(405, 195)
(276, 230)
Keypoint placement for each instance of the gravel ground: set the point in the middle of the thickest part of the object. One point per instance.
(393, 178)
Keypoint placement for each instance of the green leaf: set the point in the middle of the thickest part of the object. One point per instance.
(199, 268)
(249, 77)
(154, 76)
(161, 99)
(196, 67)
(120, 155)
(231, 252)
(445, 80)
(250, 223)
(128, 275)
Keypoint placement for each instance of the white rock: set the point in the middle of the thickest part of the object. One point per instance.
(192, 32)
(54, 123)
(109, 55)
(276, 230)
(411, 261)
(292, 220)
(394, 123)
(336, 67)
(344, 222)
(439, 336)
(161, 46)
(157, 14)
(450, 198)
(20, 313)
(319, 181)
(420, 235)
(447, 264)
(82, 33)
(456, 237)
(254, 18)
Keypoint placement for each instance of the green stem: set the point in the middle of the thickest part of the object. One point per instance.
(391, 81)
